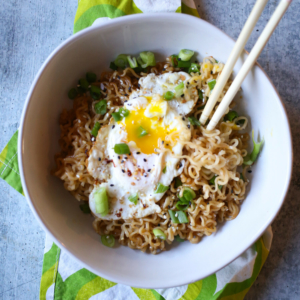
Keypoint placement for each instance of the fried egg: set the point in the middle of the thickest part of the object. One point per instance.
(154, 157)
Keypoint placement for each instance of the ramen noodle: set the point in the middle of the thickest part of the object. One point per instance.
(213, 161)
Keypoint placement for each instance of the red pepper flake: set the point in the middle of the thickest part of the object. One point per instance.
(118, 215)
(129, 173)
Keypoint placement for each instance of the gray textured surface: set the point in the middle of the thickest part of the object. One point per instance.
(30, 30)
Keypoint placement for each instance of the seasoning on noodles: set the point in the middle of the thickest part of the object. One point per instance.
(146, 167)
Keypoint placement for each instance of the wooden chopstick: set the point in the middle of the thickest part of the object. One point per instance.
(234, 55)
(250, 61)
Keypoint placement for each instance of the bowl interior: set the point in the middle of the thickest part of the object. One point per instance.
(93, 50)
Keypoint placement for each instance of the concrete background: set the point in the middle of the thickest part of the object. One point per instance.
(30, 30)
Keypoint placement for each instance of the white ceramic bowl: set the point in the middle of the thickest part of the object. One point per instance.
(92, 50)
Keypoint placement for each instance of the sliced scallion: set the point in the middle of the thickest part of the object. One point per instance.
(142, 132)
(164, 170)
(95, 129)
(85, 208)
(200, 94)
(134, 198)
(132, 62)
(174, 216)
(84, 84)
(168, 95)
(121, 148)
(113, 66)
(108, 240)
(91, 77)
(178, 238)
(182, 217)
(178, 182)
(161, 188)
(179, 89)
(174, 59)
(231, 116)
(211, 84)
(121, 61)
(117, 117)
(188, 194)
(250, 158)
(72, 93)
(95, 92)
(184, 64)
(100, 107)
(194, 68)
(185, 54)
(101, 202)
(159, 234)
(194, 121)
(148, 59)
(124, 112)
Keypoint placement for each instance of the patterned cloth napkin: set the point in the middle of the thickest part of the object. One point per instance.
(63, 278)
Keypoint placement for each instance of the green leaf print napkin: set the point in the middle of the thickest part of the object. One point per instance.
(63, 277)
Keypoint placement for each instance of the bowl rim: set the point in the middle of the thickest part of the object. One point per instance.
(114, 22)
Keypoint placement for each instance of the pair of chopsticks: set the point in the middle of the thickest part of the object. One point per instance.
(250, 61)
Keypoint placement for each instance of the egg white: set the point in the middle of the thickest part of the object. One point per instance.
(126, 175)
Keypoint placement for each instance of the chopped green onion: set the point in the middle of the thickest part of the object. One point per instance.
(121, 61)
(174, 60)
(216, 61)
(182, 205)
(113, 66)
(184, 64)
(212, 182)
(178, 217)
(95, 92)
(159, 233)
(231, 116)
(83, 83)
(173, 215)
(121, 149)
(72, 93)
(179, 89)
(100, 107)
(177, 182)
(240, 122)
(95, 129)
(134, 198)
(195, 68)
(168, 95)
(117, 117)
(250, 158)
(124, 112)
(201, 107)
(141, 132)
(164, 170)
(139, 69)
(211, 84)
(188, 194)
(101, 201)
(194, 121)
(132, 62)
(161, 188)
(91, 77)
(242, 177)
(85, 208)
(200, 94)
(185, 54)
(182, 217)
(81, 90)
(178, 238)
(140, 61)
(148, 59)
(108, 240)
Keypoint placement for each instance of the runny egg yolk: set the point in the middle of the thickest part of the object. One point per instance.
(155, 128)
